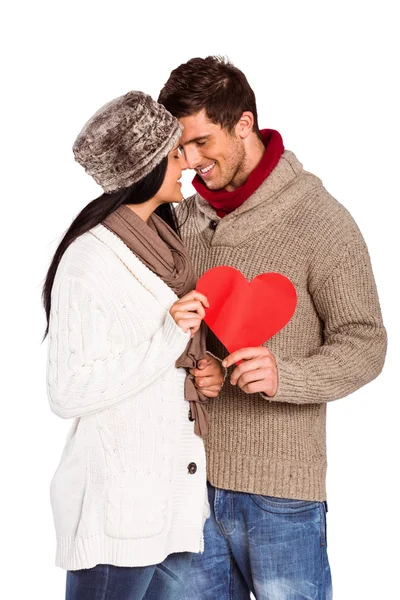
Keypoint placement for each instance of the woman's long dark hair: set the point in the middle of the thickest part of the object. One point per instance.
(98, 210)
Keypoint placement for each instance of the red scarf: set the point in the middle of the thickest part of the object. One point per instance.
(226, 202)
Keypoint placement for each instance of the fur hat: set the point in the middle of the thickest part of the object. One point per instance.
(125, 140)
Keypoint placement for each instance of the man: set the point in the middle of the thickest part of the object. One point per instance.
(257, 210)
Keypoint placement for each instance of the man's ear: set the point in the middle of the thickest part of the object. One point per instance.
(244, 126)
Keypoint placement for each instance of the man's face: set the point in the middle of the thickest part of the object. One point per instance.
(214, 153)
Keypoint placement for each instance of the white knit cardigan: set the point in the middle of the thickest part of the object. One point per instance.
(123, 493)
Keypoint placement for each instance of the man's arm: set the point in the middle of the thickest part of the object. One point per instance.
(354, 347)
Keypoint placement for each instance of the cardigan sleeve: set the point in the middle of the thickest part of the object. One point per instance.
(90, 365)
(354, 347)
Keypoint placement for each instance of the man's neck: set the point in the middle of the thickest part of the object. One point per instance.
(254, 153)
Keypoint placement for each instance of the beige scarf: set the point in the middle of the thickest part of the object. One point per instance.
(163, 252)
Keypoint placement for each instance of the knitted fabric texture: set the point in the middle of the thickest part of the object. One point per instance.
(123, 493)
(125, 140)
(334, 344)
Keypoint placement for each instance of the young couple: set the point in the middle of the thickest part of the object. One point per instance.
(130, 358)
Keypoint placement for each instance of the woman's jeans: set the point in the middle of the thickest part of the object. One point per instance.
(106, 582)
(272, 547)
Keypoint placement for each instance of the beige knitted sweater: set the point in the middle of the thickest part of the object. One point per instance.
(334, 344)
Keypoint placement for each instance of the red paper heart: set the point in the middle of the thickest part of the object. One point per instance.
(246, 314)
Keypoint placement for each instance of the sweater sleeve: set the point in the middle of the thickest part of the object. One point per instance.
(354, 347)
(90, 364)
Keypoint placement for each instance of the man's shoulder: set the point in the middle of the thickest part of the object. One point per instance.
(323, 210)
(317, 207)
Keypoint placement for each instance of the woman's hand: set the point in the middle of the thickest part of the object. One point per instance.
(188, 312)
(209, 376)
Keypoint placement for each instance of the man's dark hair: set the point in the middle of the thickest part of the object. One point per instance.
(213, 84)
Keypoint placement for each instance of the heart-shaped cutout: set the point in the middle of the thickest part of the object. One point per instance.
(246, 314)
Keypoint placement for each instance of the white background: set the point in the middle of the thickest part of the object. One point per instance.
(325, 75)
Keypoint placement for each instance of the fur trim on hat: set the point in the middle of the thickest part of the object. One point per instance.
(125, 140)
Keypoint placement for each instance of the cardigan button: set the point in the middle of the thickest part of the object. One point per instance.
(192, 468)
(190, 416)
(213, 225)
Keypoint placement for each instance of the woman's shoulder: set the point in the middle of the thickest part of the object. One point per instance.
(85, 253)
(100, 260)
(92, 260)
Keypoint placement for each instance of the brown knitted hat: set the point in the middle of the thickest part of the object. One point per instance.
(125, 140)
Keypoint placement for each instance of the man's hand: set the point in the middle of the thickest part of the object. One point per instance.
(257, 373)
(209, 376)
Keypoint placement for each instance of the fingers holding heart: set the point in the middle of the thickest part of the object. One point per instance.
(260, 380)
(256, 373)
(246, 367)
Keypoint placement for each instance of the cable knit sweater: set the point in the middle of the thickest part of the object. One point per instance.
(334, 344)
(131, 485)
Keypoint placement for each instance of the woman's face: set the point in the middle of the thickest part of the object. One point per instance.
(170, 191)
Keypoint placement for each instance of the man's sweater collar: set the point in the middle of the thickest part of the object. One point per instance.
(287, 169)
(285, 186)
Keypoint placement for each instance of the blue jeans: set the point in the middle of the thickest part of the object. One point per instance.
(272, 547)
(106, 582)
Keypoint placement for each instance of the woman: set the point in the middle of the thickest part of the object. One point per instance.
(124, 325)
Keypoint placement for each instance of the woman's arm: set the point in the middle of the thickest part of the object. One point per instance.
(89, 368)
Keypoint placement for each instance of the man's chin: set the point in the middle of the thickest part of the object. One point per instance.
(213, 186)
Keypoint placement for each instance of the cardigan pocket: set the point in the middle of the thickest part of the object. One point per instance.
(137, 505)
(138, 442)
(139, 439)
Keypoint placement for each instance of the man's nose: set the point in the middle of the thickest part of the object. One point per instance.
(192, 157)
(182, 162)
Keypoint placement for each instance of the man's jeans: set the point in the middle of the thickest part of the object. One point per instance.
(272, 547)
(106, 582)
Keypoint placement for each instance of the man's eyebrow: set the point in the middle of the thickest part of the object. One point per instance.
(196, 139)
